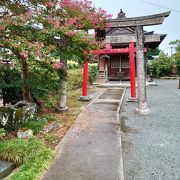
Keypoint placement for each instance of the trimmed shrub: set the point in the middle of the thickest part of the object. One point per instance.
(74, 79)
(93, 71)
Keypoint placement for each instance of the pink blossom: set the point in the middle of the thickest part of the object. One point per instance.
(49, 4)
(39, 45)
(70, 33)
(2, 28)
(58, 65)
(27, 15)
(88, 15)
(38, 53)
(108, 25)
(109, 16)
(24, 54)
(72, 21)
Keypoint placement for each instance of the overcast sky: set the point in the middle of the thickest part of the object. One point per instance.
(171, 25)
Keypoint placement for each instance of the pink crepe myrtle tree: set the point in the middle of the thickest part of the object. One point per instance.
(29, 31)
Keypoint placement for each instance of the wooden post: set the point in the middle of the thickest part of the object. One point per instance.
(85, 78)
(132, 72)
(85, 96)
(141, 77)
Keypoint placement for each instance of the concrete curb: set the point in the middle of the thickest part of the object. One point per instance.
(121, 171)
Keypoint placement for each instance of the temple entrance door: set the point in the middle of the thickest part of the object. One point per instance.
(114, 66)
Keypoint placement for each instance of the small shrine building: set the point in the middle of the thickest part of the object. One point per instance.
(114, 65)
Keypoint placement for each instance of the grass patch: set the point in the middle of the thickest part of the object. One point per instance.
(50, 137)
(34, 156)
(2, 132)
(34, 125)
(49, 117)
(75, 106)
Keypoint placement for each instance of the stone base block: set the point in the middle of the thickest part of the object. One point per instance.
(62, 109)
(132, 99)
(84, 98)
(143, 111)
(151, 83)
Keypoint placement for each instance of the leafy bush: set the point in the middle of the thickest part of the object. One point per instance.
(43, 80)
(32, 155)
(2, 132)
(178, 66)
(162, 66)
(93, 70)
(73, 65)
(74, 79)
(10, 84)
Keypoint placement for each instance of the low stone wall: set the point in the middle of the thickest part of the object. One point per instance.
(12, 116)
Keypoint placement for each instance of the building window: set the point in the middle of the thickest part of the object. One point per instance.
(115, 62)
(125, 63)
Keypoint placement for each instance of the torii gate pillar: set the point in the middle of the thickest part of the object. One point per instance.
(139, 22)
(141, 75)
(132, 72)
(85, 96)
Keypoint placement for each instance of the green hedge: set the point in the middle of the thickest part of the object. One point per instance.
(44, 81)
(93, 71)
(75, 77)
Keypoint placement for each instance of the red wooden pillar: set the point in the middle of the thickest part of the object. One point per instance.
(132, 71)
(85, 78)
(85, 96)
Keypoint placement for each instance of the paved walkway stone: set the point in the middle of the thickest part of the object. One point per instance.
(91, 149)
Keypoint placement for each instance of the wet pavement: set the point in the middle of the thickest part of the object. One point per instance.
(91, 150)
(151, 144)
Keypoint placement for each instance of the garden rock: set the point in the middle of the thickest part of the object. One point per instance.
(12, 116)
(24, 134)
(52, 127)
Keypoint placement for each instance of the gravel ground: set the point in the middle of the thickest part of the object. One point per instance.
(151, 144)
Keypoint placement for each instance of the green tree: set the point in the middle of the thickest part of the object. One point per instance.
(39, 30)
(176, 55)
(162, 65)
(152, 53)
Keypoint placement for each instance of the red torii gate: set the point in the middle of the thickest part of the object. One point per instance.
(131, 50)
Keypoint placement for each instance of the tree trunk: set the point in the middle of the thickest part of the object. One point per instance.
(62, 105)
(26, 88)
(179, 83)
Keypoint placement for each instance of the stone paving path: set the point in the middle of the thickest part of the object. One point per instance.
(91, 150)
